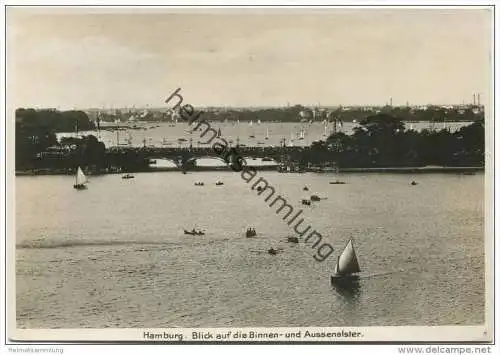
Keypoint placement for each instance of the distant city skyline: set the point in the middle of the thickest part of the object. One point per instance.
(257, 107)
(352, 57)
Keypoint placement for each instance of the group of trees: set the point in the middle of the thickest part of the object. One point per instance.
(53, 120)
(285, 114)
(86, 151)
(382, 141)
(36, 133)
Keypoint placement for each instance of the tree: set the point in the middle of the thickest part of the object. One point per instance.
(381, 124)
(380, 137)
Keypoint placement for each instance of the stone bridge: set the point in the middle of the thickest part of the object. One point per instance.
(185, 157)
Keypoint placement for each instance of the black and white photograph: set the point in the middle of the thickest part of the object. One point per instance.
(250, 174)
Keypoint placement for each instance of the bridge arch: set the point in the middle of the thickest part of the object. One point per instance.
(196, 159)
(261, 160)
(164, 162)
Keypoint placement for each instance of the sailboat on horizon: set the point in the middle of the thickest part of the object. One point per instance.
(80, 180)
(267, 133)
(347, 266)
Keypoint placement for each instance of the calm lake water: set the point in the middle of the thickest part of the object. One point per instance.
(168, 135)
(115, 255)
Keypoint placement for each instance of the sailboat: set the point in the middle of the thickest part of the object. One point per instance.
(81, 180)
(267, 133)
(340, 124)
(301, 136)
(347, 266)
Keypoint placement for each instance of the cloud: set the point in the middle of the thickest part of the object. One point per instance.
(348, 57)
(92, 69)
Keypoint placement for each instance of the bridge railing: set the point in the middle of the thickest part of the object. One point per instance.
(167, 150)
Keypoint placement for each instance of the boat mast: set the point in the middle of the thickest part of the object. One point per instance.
(337, 267)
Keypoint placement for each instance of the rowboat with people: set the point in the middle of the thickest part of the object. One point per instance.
(194, 232)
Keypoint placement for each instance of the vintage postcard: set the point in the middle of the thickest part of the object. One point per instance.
(250, 174)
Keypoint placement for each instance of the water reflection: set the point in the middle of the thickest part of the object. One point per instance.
(166, 134)
(349, 291)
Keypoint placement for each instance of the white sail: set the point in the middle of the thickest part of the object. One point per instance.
(347, 263)
(80, 177)
(267, 133)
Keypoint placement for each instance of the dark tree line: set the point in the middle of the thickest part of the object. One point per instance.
(382, 141)
(285, 114)
(53, 120)
(293, 114)
(36, 133)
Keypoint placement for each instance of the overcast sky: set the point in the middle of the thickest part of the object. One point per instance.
(330, 57)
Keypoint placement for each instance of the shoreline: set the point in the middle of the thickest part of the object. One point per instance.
(423, 169)
(402, 170)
